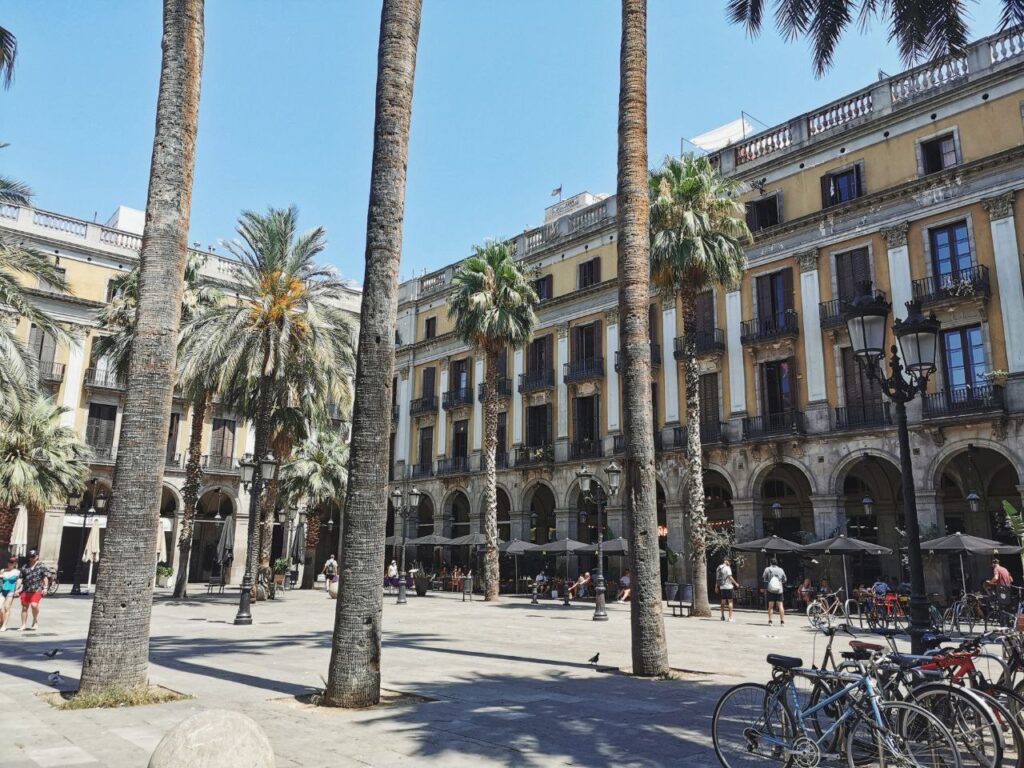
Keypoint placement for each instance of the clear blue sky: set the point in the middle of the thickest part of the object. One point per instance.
(512, 99)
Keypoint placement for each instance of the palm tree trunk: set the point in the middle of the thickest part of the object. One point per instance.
(354, 672)
(492, 580)
(261, 439)
(117, 648)
(650, 654)
(693, 476)
(312, 541)
(190, 493)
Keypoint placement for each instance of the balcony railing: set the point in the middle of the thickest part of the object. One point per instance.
(965, 284)
(103, 378)
(455, 398)
(536, 454)
(531, 381)
(862, 416)
(986, 398)
(582, 370)
(655, 358)
(586, 449)
(501, 459)
(51, 373)
(420, 470)
(782, 423)
(453, 465)
(774, 326)
(102, 454)
(711, 341)
(503, 388)
(712, 432)
(173, 460)
(423, 405)
(219, 463)
(831, 312)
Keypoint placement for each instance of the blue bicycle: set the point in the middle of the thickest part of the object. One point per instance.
(777, 722)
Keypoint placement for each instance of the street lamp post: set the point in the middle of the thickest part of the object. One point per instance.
(911, 363)
(97, 503)
(256, 482)
(600, 500)
(404, 512)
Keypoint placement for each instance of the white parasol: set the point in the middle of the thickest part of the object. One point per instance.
(161, 544)
(19, 534)
(91, 553)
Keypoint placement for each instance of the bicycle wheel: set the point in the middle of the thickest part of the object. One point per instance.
(749, 726)
(816, 615)
(826, 717)
(899, 618)
(1000, 620)
(978, 734)
(1010, 725)
(908, 735)
(937, 619)
(993, 668)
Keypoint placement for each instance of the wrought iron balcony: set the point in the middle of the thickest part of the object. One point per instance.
(655, 358)
(584, 369)
(536, 454)
(219, 464)
(830, 313)
(532, 381)
(862, 416)
(964, 284)
(987, 398)
(421, 470)
(453, 465)
(173, 460)
(501, 459)
(423, 405)
(619, 444)
(102, 378)
(789, 422)
(712, 432)
(455, 398)
(102, 454)
(708, 342)
(586, 449)
(776, 326)
(50, 372)
(503, 388)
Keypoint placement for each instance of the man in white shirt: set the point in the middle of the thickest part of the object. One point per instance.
(774, 579)
(724, 585)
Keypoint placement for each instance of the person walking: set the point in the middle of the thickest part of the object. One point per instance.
(35, 578)
(330, 570)
(391, 582)
(1000, 576)
(774, 579)
(9, 578)
(724, 585)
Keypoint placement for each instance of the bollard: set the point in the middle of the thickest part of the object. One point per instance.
(534, 600)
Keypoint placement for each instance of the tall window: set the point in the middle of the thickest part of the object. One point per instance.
(538, 425)
(841, 186)
(172, 434)
(428, 382)
(586, 342)
(938, 154)
(964, 352)
(764, 213)
(588, 273)
(460, 374)
(99, 430)
(426, 454)
(852, 270)
(42, 346)
(776, 387)
(502, 434)
(430, 328)
(708, 394)
(705, 313)
(774, 296)
(460, 439)
(538, 354)
(951, 250)
(544, 287)
(222, 443)
(586, 415)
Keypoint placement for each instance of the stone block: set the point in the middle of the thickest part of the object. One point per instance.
(214, 738)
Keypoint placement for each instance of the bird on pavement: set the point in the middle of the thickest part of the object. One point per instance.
(51, 653)
(55, 678)
(595, 658)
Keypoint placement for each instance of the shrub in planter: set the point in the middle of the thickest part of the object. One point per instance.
(280, 569)
(163, 575)
(422, 584)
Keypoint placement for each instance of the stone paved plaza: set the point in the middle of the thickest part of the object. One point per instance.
(506, 684)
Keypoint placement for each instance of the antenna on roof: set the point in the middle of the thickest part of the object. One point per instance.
(883, 75)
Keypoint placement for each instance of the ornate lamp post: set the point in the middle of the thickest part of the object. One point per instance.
(404, 512)
(911, 363)
(97, 504)
(256, 483)
(600, 501)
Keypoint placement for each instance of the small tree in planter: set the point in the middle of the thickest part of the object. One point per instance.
(280, 569)
(163, 574)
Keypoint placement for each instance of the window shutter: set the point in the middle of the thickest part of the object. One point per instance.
(764, 297)
(778, 206)
(35, 340)
(751, 217)
(48, 350)
(598, 340)
(579, 275)
(428, 382)
(705, 314)
(547, 424)
(597, 417)
(549, 352)
(826, 190)
(228, 448)
(574, 342)
(597, 269)
(861, 269)
(859, 172)
(787, 288)
(575, 419)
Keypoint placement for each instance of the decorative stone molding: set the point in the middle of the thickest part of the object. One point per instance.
(766, 352)
(708, 364)
(1000, 206)
(896, 236)
(999, 428)
(542, 397)
(586, 389)
(808, 260)
(403, 374)
(611, 315)
(563, 331)
(444, 363)
(426, 419)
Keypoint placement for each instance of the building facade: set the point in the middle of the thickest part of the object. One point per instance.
(911, 185)
(91, 256)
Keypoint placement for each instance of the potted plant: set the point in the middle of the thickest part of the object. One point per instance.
(280, 569)
(997, 377)
(421, 582)
(163, 574)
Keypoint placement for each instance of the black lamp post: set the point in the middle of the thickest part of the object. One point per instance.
(404, 512)
(254, 482)
(599, 500)
(917, 336)
(97, 504)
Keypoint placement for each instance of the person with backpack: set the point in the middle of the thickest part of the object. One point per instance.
(774, 579)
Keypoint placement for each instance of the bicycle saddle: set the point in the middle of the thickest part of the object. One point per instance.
(860, 645)
(785, 662)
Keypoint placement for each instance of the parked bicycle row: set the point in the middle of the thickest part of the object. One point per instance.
(959, 704)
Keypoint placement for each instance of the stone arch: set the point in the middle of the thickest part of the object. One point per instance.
(204, 560)
(572, 493)
(541, 514)
(758, 477)
(458, 514)
(948, 452)
(504, 514)
(788, 485)
(723, 473)
(531, 488)
(844, 465)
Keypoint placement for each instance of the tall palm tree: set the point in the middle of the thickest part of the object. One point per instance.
(117, 648)
(41, 462)
(492, 303)
(354, 672)
(8, 53)
(282, 343)
(697, 235)
(650, 653)
(118, 320)
(921, 28)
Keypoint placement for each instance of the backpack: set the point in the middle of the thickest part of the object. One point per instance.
(775, 583)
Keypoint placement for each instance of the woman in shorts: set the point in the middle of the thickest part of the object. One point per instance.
(9, 578)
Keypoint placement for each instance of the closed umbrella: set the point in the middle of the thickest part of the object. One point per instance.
(91, 553)
(19, 534)
(226, 543)
(299, 545)
(845, 545)
(161, 543)
(961, 544)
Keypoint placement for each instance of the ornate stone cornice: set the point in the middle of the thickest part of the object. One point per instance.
(403, 374)
(808, 260)
(611, 316)
(563, 331)
(1000, 206)
(896, 235)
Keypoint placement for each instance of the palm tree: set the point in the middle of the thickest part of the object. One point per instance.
(921, 28)
(650, 653)
(117, 648)
(492, 303)
(281, 344)
(354, 672)
(8, 53)
(118, 319)
(697, 235)
(41, 462)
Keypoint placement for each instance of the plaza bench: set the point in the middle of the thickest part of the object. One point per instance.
(682, 600)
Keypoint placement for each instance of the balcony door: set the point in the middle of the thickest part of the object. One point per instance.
(538, 425)
(708, 395)
(585, 342)
(774, 298)
(539, 355)
(863, 394)
(99, 430)
(586, 419)
(852, 270)
(42, 347)
(502, 434)
(964, 358)
(222, 443)
(705, 314)
(776, 389)
(428, 382)
(460, 439)
(951, 252)
(460, 374)
(426, 453)
(172, 435)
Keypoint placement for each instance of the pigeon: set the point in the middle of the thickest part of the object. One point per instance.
(595, 658)
(55, 678)
(51, 653)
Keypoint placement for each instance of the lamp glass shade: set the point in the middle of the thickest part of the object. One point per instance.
(396, 498)
(247, 467)
(268, 466)
(584, 475)
(100, 502)
(869, 505)
(584, 515)
(776, 510)
(414, 497)
(973, 501)
(866, 317)
(918, 337)
(614, 475)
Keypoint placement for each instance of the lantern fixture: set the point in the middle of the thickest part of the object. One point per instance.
(100, 502)
(866, 318)
(869, 505)
(973, 501)
(918, 337)
(247, 468)
(614, 475)
(268, 467)
(776, 510)
(585, 477)
(414, 497)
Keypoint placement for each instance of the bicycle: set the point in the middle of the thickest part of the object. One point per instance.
(54, 585)
(824, 608)
(754, 722)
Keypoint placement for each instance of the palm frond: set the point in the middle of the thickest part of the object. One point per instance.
(8, 55)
